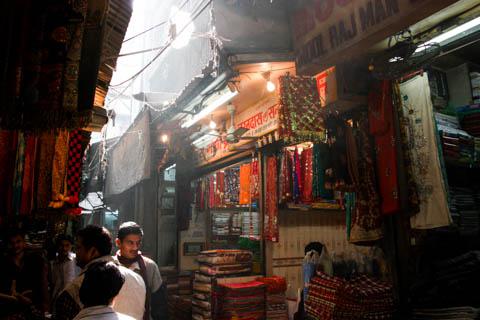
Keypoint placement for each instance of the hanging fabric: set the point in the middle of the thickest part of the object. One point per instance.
(18, 175)
(46, 153)
(366, 218)
(270, 230)
(285, 176)
(77, 143)
(419, 125)
(297, 178)
(307, 175)
(380, 112)
(232, 186)
(59, 168)
(211, 191)
(219, 189)
(8, 149)
(320, 162)
(300, 110)
(255, 180)
(245, 196)
(26, 204)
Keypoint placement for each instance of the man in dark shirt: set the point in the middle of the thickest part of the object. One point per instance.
(24, 284)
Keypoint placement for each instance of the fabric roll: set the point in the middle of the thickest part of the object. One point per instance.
(18, 175)
(417, 111)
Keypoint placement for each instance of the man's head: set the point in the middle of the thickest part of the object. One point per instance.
(101, 285)
(129, 239)
(64, 245)
(16, 241)
(92, 242)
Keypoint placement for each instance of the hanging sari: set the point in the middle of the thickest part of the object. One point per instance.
(366, 218)
(421, 138)
(245, 196)
(271, 201)
(380, 112)
(307, 175)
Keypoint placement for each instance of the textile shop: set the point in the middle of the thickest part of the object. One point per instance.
(328, 197)
(51, 102)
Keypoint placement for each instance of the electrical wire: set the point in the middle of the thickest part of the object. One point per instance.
(167, 45)
(155, 26)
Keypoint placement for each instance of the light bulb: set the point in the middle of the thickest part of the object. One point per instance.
(270, 86)
(212, 124)
(164, 138)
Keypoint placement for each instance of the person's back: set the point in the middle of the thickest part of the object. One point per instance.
(93, 246)
(101, 284)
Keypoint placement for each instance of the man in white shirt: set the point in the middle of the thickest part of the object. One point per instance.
(129, 241)
(93, 246)
(101, 285)
(63, 269)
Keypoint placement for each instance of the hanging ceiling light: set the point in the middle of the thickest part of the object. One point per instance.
(270, 85)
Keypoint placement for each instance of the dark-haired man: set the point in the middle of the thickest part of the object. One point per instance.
(101, 285)
(129, 241)
(23, 279)
(93, 246)
(63, 269)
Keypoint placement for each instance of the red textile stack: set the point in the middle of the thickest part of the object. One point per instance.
(243, 301)
(276, 302)
(339, 299)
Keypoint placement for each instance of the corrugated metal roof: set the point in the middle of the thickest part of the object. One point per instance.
(116, 24)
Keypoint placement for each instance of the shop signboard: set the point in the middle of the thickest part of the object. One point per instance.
(325, 31)
(260, 119)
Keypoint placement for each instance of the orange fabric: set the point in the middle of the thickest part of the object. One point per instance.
(245, 197)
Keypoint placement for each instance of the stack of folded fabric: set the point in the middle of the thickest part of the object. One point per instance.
(463, 313)
(250, 225)
(475, 82)
(216, 264)
(242, 301)
(179, 308)
(470, 116)
(449, 283)
(221, 224)
(464, 210)
(202, 296)
(170, 278)
(185, 283)
(276, 301)
(360, 298)
(457, 144)
(225, 262)
(477, 149)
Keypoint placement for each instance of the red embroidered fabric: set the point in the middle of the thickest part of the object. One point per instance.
(271, 203)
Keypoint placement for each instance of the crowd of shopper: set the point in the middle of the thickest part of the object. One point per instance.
(83, 280)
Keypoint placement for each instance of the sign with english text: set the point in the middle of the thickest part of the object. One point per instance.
(325, 31)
